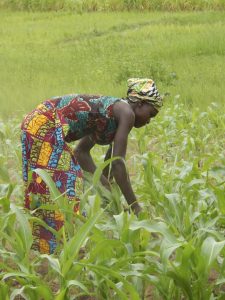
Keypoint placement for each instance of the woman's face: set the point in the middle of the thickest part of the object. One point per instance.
(143, 114)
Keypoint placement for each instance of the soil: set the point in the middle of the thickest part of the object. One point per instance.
(149, 293)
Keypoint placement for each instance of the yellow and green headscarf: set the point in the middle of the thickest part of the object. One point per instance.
(144, 89)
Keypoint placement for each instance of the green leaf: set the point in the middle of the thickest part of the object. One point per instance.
(77, 283)
(54, 262)
(5, 204)
(19, 274)
(105, 272)
(155, 280)
(43, 292)
(4, 174)
(181, 281)
(24, 228)
(71, 249)
(18, 292)
(106, 248)
(220, 193)
(220, 280)
(42, 223)
(159, 227)
(100, 168)
(209, 252)
(166, 250)
(186, 253)
(50, 183)
(4, 291)
(38, 292)
(196, 182)
(61, 295)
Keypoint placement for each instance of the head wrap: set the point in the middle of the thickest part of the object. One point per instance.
(143, 89)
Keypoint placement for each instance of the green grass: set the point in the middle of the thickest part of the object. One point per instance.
(48, 54)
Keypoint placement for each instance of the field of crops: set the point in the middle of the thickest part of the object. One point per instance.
(175, 248)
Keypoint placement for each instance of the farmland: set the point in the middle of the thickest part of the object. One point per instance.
(175, 248)
(50, 54)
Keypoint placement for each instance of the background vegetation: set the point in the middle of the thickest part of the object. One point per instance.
(112, 5)
(49, 54)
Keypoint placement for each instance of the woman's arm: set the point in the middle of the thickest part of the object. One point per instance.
(125, 118)
(82, 153)
(107, 172)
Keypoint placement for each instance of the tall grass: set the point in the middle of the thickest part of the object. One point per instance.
(49, 54)
(112, 5)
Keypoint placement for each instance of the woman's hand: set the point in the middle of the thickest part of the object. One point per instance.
(136, 208)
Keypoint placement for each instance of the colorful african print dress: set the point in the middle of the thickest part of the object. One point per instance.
(46, 134)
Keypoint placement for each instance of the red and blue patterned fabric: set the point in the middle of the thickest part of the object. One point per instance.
(46, 134)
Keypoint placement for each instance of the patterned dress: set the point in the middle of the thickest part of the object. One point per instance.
(46, 134)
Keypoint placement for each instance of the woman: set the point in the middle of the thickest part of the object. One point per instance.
(48, 130)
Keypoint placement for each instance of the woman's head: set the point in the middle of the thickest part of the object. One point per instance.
(144, 89)
(144, 112)
(145, 99)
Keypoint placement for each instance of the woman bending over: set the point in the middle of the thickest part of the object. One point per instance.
(50, 128)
